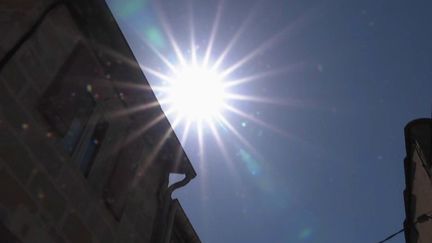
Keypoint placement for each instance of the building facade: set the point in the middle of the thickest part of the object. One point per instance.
(418, 172)
(85, 155)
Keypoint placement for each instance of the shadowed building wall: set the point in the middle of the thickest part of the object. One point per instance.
(79, 162)
(418, 171)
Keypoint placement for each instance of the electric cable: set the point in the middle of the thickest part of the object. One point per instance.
(420, 219)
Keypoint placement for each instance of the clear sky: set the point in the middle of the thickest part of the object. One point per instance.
(314, 153)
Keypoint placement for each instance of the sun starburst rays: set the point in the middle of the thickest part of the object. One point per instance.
(195, 92)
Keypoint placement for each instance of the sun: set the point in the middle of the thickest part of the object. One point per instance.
(196, 93)
(202, 92)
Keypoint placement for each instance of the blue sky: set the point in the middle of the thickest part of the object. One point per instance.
(325, 161)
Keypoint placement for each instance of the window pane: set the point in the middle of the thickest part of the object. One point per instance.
(92, 147)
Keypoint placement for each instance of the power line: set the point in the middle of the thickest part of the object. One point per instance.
(392, 235)
(420, 219)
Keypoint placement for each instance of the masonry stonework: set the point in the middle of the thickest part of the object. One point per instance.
(418, 180)
(76, 165)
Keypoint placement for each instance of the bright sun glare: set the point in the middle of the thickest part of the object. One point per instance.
(196, 88)
(197, 93)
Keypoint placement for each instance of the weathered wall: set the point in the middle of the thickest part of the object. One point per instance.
(45, 196)
(418, 195)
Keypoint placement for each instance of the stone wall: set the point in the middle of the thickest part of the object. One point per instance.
(418, 173)
(51, 192)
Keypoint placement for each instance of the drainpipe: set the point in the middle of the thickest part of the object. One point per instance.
(170, 208)
(171, 217)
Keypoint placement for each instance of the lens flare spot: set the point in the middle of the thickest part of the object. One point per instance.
(128, 8)
(155, 37)
(250, 162)
(305, 233)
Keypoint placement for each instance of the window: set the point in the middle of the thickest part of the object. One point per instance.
(66, 108)
(69, 107)
(67, 104)
(70, 140)
(92, 147)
